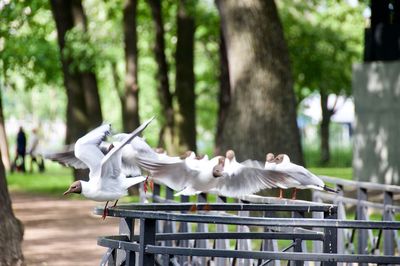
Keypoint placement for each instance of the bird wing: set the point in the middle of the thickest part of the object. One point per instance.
(246, 180)
(66, 158)
(302, 175)
(87, 148)
(167, 170)
(112, 161)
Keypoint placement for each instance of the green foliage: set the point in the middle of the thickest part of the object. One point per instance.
(340, 157)
(325, 38)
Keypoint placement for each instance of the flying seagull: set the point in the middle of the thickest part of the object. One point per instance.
(106, 180)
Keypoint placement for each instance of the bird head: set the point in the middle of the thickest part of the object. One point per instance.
(282, 158)
(270, 157)
(219, 168)
(230, 154)
(76, 187)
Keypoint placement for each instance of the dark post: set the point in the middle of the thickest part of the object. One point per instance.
(147, 237)
(297, 241)
(330, 240)
(126, 227)
(183, 228)
(361, 215)
(388, 235)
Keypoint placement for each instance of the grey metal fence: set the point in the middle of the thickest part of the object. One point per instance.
(252, 230)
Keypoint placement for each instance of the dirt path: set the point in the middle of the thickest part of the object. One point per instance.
(61, 232)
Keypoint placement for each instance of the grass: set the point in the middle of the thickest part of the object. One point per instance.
(54, 181)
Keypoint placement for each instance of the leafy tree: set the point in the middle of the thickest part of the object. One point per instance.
(324, 42)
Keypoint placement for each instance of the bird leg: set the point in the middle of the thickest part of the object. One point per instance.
(280, 193)
(115, 204)
(294, 192)
(105, 212)
(151, 185)
(145, 185)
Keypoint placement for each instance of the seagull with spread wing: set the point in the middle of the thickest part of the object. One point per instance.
(301, 178)
(106, 180)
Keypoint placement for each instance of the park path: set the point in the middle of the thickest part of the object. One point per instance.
(61, 232)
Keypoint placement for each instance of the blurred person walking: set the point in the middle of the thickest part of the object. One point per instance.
(19, 161)
(33, 152)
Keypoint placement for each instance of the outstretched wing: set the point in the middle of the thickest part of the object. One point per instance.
(248, 180)
(111, 163)
(170, 171)
(67, 156)
(87, 148)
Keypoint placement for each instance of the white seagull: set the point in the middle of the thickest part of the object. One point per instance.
(301, 177)
(106, 180)
(192, 176)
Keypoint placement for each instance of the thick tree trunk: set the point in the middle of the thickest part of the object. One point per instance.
(77, 118)
(185, 94)
(130, 104)
(324, 128)
(88, 77)
(262, 114)
(5, 155)
(11, 229)
(167, 132)
(224, 97)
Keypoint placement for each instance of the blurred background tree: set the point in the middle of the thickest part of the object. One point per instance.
(114, 48)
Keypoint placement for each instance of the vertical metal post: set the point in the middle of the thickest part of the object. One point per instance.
(168, 227)
(126, 227)
(297, 241)
(341, 215)
(147, 237)
(330, 239)
(221, 243)
(201, 227)
(388, 235)
(362, 215)
(184, 228)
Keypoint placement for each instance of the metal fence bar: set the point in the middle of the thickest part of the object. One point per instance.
(126, 227)
(330, 242)
(147, 237)
(275, 255)
(388, 235)
(362, 215)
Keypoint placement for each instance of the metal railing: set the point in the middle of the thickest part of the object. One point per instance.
(254, 230)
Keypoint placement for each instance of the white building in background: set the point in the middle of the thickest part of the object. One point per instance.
(342, 122)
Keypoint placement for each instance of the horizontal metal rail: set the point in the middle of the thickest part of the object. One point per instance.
(360, 184)
(224, 207)
(121, 243)
(237, 235)
(255, 221)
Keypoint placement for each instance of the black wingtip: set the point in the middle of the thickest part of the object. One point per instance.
(326, 188)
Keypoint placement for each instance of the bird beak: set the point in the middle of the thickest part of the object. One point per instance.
(67, 192)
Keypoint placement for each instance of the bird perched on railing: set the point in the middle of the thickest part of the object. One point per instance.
(301, 178)
(222, 175)
(107, 181)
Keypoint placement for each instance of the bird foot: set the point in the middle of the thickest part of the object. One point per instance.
(145, 185)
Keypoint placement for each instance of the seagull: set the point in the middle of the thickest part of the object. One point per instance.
(106, 180)
(301, 177)
(224, 176)
(248, 177)
(271, 165)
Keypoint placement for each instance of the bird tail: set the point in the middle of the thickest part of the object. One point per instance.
(326, 188)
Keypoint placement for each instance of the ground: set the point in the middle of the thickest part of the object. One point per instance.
(61, 232)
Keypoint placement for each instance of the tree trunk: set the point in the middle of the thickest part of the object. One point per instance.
(224, 97)
(77, 118)
(88, 77)
(3, 137)
(185, 94)
(262, 114)
(11, 229)
(324, 127)
(164, 94)
(130, 104)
